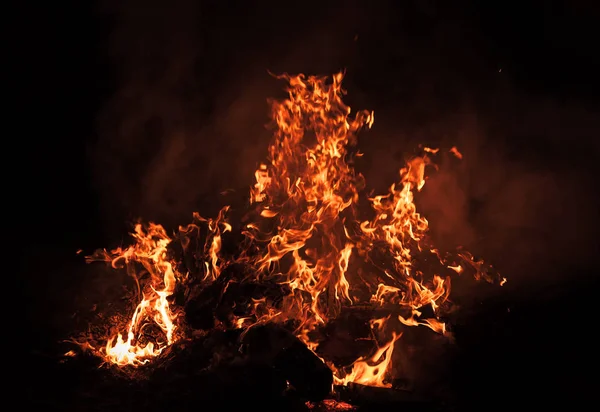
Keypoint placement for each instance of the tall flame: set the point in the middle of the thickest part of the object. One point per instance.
(306, 235)
(305, 189)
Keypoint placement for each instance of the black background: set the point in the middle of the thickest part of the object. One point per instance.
(149, 109)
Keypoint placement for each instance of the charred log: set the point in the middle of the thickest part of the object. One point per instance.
(240, 297)
(203, 302)
(309, 377)
(233, 294)
(211, 369)
(369, 397)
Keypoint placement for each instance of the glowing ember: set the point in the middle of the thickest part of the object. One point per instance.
(305, 234)
(332, 405)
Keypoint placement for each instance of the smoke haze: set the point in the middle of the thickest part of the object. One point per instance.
(186, 118)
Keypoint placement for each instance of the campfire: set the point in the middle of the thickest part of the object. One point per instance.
(309, 250)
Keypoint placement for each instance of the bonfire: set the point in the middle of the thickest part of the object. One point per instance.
(310, 244)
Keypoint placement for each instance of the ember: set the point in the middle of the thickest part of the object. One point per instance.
(311, 247)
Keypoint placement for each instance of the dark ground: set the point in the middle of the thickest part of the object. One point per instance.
(114, 96)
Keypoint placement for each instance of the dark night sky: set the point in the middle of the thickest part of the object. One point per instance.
(141, 111)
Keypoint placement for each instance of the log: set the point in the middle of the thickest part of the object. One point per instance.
(369, 396)
(238, 298)
(201, 306)
(211, 370)
(309, 377)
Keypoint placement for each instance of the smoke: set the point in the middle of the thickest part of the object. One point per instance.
(522, 197)
(187, 117)
(186, 120)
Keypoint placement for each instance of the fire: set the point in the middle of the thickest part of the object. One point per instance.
(156, 276)
(304, 233)
(372, 371)
(149, 252)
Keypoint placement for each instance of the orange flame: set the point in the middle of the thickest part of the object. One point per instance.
(372, 371)
(307, 236)
(149, 256)
(149, 251)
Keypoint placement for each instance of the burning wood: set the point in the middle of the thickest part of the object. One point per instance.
(303, 257)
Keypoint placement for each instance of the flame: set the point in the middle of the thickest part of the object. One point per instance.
(304, 233)
(306, 186)
(372, 371)
(149, 252)
(455, 152)
(155, 274)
